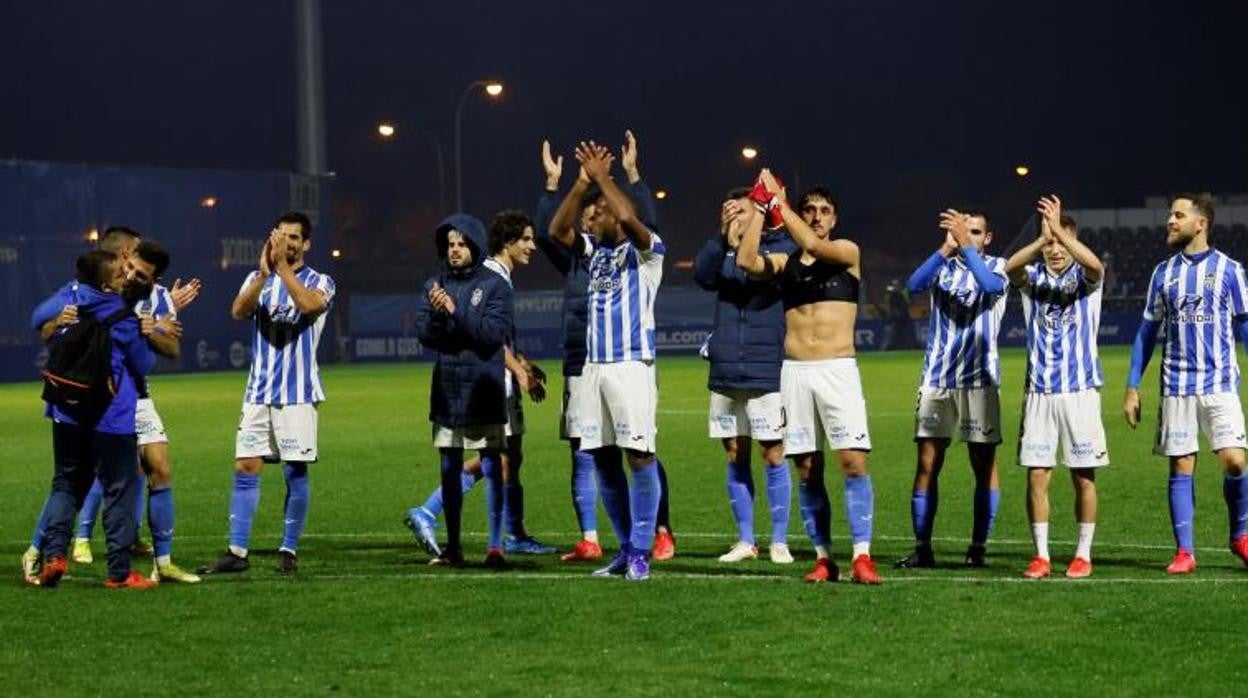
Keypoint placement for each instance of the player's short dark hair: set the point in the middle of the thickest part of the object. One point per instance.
(155, 255)
(506, 227)
(591, 196)
(1068, 222)
(1202, 201)
(93, 267)
(115, 237)
(737, 193)
(818, 193)
(305, 223)
(979, 213)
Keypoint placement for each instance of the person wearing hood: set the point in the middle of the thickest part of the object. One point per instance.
(107, 448)
(465, 314)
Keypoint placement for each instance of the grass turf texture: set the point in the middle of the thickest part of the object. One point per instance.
(366, 616)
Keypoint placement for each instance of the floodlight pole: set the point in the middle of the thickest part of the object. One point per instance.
(309, 89)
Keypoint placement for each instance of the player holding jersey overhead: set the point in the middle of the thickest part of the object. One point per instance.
(286, 300)
(1062, 407)
(820, 387)
(1199, 296)
(961, 376)
(616, 405)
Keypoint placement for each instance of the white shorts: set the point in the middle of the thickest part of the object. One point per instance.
(823, 399)
(1069, 421)
(473, 438)
(147, 423)
(568, 428)
(975, 413)
(515, 416)
(1181, 419)
(752, 413)
(616, 406)
(277, 433)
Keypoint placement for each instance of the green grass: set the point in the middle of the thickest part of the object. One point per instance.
(366, 616)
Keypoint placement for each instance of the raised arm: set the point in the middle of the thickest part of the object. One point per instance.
(596, 160)
(310, 302)
(1050, 207)
(563, 225)
(545, 213)
(757, 266)
(248, 297)
(647, 209)
(1016, 265)
(958, 225)
(823, 249)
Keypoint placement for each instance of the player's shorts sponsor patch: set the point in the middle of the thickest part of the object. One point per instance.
(726, 422)
(757, 424)
(251, 440)
(288, 444)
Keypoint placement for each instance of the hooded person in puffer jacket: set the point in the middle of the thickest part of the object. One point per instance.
(465, 315)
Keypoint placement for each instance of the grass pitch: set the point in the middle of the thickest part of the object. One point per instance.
(366, 616)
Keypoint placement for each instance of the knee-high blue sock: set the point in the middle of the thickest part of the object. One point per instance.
(140, 499)
(816, 509)
(298, 494)
(513, 495)
(859, 508)
(986, 503)
(160, 520)
(90, 509)
(644, 498)
(243, 502)
(664, 517)
(613, 485)
(584, 490)
(492, 469)
(41, 526)
(1235, 490)
(741, 499)
(1182, 510)
(452, 497)
(434, 503)
(923, 506)
(779, 500)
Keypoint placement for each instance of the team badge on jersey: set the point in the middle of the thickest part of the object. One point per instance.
(476, 297)
(1068, 284)
(1210, 281)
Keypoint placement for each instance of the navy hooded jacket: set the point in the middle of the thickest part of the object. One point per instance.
(575, 271)
(468, 376)
(746, 347)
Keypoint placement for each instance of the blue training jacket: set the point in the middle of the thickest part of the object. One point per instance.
(132, 358)
(746, 347)
(468, 376)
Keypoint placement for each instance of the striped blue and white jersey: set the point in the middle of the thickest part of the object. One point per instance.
(1063, 315)
(283, 348)
(962, 329)
(1196, 299)
(157, 304)
(623, 282)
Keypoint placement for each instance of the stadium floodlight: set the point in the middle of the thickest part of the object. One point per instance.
(1022, 170)
(208, 202)
(93, 235)
(386, 130)
(336, 254)
(494, 89)
(749, 152)
(660, 194)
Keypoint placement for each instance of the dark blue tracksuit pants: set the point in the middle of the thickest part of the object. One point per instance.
(81, 454)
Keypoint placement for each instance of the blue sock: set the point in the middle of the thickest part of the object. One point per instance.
(923, 506)
(1235, 490)
(452, 497)
(243, 502)
(584, 490)
(1182, 510)
(492, 468)
(434, 503)
(986, 503)
(41, 526)
(90, 509)
(779, 498)
(297, 496)
(160, 520)
(741, 499)
(664, 517)
(816, 509)
(613, 485)
(140, 499)
(644, 498)
(513, 494)
(859, 507)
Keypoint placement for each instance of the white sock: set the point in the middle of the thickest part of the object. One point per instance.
(163, 561)
(591, 536)
(1040, 534)
(241, 552)
(821, 551)
(1083, 548)
(861, 549)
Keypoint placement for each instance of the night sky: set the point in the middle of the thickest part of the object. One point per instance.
(902, 108)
